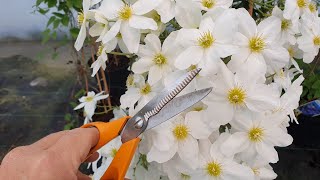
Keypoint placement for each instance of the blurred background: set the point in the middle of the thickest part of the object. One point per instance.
(42, 76)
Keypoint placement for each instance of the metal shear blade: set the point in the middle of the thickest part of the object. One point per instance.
(163, 107)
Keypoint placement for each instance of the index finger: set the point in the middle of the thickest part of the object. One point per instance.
(75, 145)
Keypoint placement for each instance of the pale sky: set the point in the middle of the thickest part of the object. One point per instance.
(17, 20)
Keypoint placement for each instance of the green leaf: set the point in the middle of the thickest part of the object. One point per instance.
(51, 3)
(68, 127)
(60, 15)
(77, 3)
(52, 18)
(45, 36)
(73, 104)
(67, 117)
(65, 20)
(43, 11)
(74, 32)
(317, 94)
(54, 35)
(69, 3)
(56, 23)
(316, 85)
(80, 93)
(38, 2)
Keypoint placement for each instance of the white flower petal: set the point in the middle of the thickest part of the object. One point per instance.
(144, 6)
(267, 152)
(81, 37)
(237, 142)
(114, 30)
(131, 37)
(142, 65)
(188, 151)
(198, 129)
(153, 42)
(161, 156)
(141, 22)
(191, 56)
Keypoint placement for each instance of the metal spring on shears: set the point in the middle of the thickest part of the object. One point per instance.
(173, 93)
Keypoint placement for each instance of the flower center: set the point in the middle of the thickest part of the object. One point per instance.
(180, 132)
(255, 134)
(206, 40)
(89, 99)
(256, 171)
(119, 36)
(130, 81)
(312, 7)
(256, 44)
(316, 40)
(125, 12)
(199, 108)
(236, 96)
(100, 50)
(185, 176)
(146, 89)
(80, 18)
(208, 3)
(214, 169)
(291, 51)
(113, 152)
(301, 3)
(159, 59)
(285, 24)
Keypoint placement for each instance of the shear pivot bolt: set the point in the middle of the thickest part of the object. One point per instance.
(139, 123)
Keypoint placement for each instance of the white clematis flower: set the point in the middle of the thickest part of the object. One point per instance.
(129, 20)
(309, 42)
(237, 93)
(205, 46)
(216, 166)
(101, 27)
(89, 103)
(83, 23)
(289, 28)
(294, 53)
(258, 46)
(261, 169)
(180, 137)
(257, 134)
(295, 8)
(153, 58)
(209, 5)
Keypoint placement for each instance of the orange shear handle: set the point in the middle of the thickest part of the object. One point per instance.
(108, 131)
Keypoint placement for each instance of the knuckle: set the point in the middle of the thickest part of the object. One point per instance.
(15, 154)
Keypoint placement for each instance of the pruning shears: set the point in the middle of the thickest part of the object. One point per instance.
(161, 108)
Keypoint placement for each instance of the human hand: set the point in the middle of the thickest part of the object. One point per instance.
(56, 156)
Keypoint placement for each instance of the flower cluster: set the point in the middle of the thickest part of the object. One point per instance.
(233, 132)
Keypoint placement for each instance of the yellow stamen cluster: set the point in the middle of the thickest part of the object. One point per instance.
(256, 44)
(256, 171)
(206, 40)
(208, 3)
(316, 40)
(214, 169)
(130, 80)
(291, 51)
(146, 89)
(100, 50)
(80, 18)
(192, 67)
(237, 96)
(301, 3)
(185, 176)
(312, 7)
(159, 59)
(119, 35)
(113, 152)
(89, 99)
(285, 24)
(125, 12)
(255, 134)
(180, 132)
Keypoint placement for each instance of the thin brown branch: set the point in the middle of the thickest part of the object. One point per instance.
(106, 88)
(250, 10)
(84, 71)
